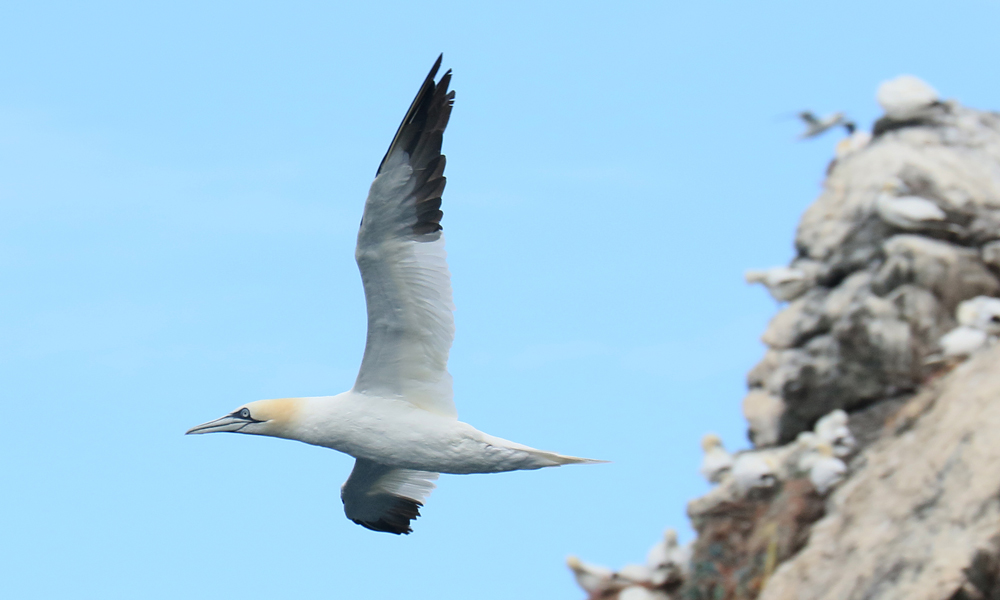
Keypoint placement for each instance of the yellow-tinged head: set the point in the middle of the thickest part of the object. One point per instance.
(263, 417)
(710, 442)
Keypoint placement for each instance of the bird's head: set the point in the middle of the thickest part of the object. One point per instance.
(710, 442)
(263, 417)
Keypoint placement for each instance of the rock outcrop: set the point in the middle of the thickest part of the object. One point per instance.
(879, 316)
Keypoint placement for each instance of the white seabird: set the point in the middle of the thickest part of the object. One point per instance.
(981, 312)
(911, 213)
(783, 283)
(816, 126)
(753, 470)
(826, 470)
(399, 419)
(833, 430)
(962, 341)
(592, 578)
(906, 97)
(716, 462)
(668, 560)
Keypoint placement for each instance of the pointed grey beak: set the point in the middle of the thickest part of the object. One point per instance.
(226, 423)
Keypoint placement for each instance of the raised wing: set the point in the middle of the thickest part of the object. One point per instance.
(403, 263)
(382, 498)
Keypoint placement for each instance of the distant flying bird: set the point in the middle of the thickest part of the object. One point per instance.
(816, 126)
(399, 420)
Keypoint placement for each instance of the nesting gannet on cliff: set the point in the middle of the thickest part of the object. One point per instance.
(911, 213)
(783, 283)
(399, 419)
(826, 470)
(753, 470)
(981, 312)
(716, 462)
(592, 578)
(668, 560)
(962, 341)
(816, 126)
(906, 97)
(832, 429)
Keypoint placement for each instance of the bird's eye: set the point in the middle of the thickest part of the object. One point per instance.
(995, 318)
(245, 413)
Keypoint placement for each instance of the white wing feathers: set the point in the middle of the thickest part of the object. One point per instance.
(403, 265)
(382, 498)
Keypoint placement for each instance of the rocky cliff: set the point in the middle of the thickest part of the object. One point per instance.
(873, 413)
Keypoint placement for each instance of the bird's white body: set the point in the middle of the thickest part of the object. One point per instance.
(906, 97)
(963, 341)
(716, 463)
(783, 283)
(818, 125)
(399, 420)
(753, 470)
(395, 432)
(826, 470)
(832, 429)
(592, 578)
(981, 312)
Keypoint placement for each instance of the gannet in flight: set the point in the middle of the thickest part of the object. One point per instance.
(399, 419)
(816, 126)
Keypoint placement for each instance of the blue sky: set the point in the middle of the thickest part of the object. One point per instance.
(180, 186)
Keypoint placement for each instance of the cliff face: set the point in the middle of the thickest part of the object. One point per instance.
(920, 515)
(905, 501)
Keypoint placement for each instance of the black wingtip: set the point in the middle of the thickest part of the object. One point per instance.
(426, 88)
(397, 519)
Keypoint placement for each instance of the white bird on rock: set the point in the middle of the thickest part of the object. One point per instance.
(906, 97)
(716, 462)
(832, 429)
(753, 470)
(668, 560)
(783, 283)
(911, 213)
(981, 312)
(399, 419)
(963, 341)
(592, 578)
(827, 470)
